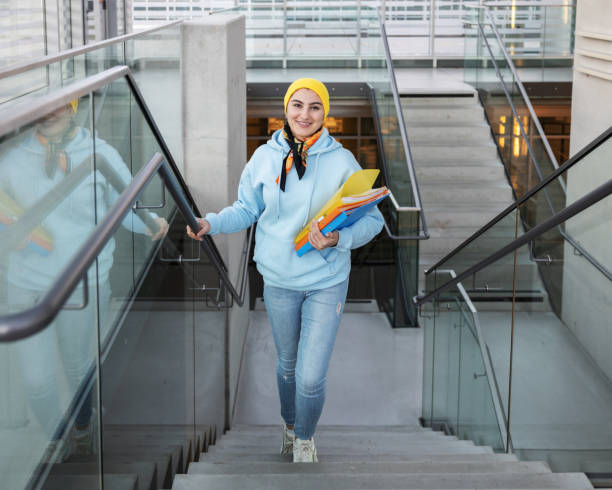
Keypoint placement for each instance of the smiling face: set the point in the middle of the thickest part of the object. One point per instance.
(304, 113)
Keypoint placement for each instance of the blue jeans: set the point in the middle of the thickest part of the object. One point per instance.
(304, 326)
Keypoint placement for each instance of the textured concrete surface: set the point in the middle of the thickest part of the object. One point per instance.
(375, 374)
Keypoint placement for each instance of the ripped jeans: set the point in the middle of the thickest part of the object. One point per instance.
(304, 326)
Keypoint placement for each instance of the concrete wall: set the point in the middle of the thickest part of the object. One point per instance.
(586, 308)
(214, 140)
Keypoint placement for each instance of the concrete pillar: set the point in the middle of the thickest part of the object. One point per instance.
(213, 65)
(586, 307)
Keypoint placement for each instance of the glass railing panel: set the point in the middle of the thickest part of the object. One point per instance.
(541, 34)
(561, 391)
(477, 418)
(155, 61)
(43, 80)
(47, 196)
(495, 280)
(446, 362)
(147, 355)
(427, 319)
(153, 57)
(458, 394)
(49, 389)
(525, 153)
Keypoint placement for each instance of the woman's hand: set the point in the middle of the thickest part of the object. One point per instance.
(320, 241)
(162, 229)
(204, 229)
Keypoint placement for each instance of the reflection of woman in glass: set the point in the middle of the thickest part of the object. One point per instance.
(28, 171)
(282, 187)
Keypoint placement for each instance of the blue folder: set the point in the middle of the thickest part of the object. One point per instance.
(344, 219)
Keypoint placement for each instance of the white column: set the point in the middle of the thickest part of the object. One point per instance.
(586, 306)
(213, 68)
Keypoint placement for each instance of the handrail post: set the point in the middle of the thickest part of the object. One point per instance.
(432, 33)
(358, 33)
(285, 34)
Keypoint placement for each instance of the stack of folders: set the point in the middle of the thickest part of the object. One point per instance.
(39, 240)
(345, 207)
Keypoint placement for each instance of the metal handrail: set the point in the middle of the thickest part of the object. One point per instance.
(549, 151)
(27, 112)
(24, 324)
(71, 53)
(596, 143)
(523, 92)
(20, 325)
(570, 211)
(502, 421)
(402, 126)
(524, 3)
(400, 116)
(383, 161)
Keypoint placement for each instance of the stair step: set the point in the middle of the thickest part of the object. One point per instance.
(330, 446)
(165, 468)
(452, 133)
(324, 437)
(438, 101)
(444, 171)
(79, 482)
(366, 467)
(462, 193)
(453, 154)
(443, 114)
(379, 481)
(352, 429)
(345, 458)
(146, 472)
(440, 448)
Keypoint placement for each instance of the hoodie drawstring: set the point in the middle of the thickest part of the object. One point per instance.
(316, 171)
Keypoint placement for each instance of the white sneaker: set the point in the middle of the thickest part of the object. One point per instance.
(287, 444)
(304, 451)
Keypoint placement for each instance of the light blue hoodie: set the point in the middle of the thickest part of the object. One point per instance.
(281, 215)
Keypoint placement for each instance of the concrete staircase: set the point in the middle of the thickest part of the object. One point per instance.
(136, 457)
(365, 457)
(460, 175)
(463, 185)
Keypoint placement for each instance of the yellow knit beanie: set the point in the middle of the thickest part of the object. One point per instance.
(310, 83)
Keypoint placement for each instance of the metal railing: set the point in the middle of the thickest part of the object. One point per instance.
(26, 323)
(500, 416)
(543, 180)
(418, 207)
(528, 195)
(71, 53)
(568, 212)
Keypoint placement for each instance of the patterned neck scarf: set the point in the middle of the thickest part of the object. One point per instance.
(298, 153)
(55, 155)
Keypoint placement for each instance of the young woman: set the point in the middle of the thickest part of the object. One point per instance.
(282, 187)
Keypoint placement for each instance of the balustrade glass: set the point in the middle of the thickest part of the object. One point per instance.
(130, 375)
(546, 338)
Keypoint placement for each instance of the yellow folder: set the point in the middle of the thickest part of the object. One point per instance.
(359, 182)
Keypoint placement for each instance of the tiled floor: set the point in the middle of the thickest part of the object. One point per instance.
(375, 375)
